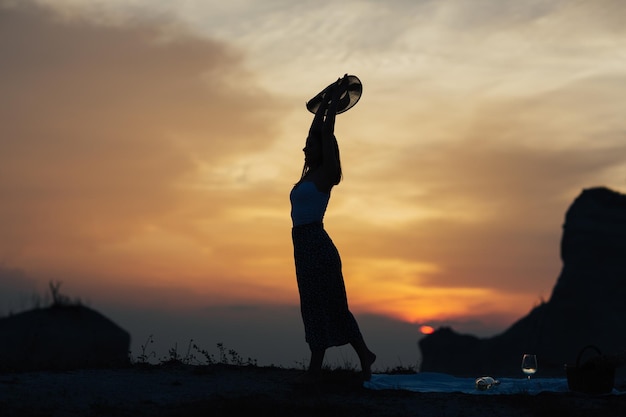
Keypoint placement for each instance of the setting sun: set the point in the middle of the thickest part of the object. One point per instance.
(426, 329)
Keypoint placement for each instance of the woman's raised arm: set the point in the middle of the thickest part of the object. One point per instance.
(330, 154)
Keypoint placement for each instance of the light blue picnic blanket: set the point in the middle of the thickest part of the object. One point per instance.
(438, 382)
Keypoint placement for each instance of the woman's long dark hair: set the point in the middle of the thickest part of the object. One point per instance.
(306, 168)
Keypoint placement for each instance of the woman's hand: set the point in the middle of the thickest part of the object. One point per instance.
(324, 120)
(338, 88)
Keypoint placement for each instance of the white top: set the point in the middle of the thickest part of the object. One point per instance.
(308, 204)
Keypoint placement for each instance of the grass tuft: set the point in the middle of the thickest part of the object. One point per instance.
(194, 355)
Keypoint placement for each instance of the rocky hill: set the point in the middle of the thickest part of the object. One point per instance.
(587, 304)
(61, 337)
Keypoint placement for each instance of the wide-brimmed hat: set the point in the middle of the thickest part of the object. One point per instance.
(347, 99)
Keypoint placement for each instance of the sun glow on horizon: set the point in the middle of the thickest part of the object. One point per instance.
(426, 330)
(423, 304)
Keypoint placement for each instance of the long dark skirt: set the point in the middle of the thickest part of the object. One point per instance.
(323, 302)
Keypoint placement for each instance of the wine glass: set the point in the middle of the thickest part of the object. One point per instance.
(529, 364)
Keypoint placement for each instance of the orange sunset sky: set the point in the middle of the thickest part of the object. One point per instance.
(147, 150)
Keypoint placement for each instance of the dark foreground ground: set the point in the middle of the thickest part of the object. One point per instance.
(220, 390)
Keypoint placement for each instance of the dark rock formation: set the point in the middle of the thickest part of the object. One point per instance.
(587, 305)
(61, 337)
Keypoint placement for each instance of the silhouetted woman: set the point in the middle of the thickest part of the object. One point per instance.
(323, 302)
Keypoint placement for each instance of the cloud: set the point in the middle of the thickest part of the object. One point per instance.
(484, 209)
(17, 290)
(105, 129)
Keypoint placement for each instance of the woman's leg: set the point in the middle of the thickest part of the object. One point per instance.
(314, 373)
(366, 356)
(317, 359)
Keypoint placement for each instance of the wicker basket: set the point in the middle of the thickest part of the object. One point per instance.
(596, 376)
